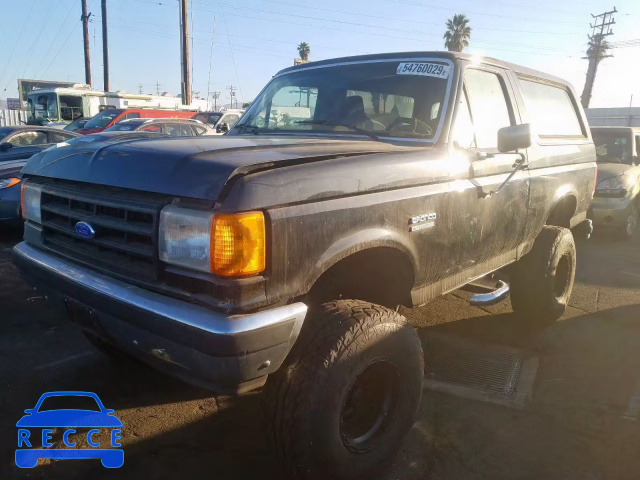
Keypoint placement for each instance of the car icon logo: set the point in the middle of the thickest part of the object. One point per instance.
(85, 230)
(35, 430)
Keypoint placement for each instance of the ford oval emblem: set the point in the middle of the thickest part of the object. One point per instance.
(85, 230)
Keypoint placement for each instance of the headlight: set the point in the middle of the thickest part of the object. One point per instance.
(614, 183)
(8, 182)
(30, 202)
(229, 245)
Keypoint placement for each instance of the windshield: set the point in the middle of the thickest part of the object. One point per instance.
(43, 106)
(122, 127)
(612, 147)
(210, 118)
(102, 119)
(389, 98)
(67, 402)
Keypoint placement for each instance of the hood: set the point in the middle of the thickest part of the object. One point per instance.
(11, 168)
(609, 170)
(187, 167)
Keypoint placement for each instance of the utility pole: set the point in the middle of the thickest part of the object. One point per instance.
(232, 95)
(85, 36)
(185, 84)
(157, 88)
(215, 96)
(597, 50)
(105, 47)
(140, 88)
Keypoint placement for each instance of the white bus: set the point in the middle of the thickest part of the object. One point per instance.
(61, 106)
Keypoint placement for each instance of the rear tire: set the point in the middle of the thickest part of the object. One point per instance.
(347, 394)
(542, 281)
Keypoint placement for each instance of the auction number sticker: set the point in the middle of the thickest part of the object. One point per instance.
(426, 69)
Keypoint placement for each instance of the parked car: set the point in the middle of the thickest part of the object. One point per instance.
(221, 122)
(77, 124)
(616, 202)
(175, 127)
(276, 255)
(108, 118)
(17, 144)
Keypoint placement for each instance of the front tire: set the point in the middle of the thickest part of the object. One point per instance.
(542, 281)
(347, 394)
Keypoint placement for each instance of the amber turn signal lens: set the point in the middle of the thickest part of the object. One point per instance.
(238, 244)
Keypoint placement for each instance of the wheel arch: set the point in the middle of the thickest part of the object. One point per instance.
(564, 207)
(362, 264)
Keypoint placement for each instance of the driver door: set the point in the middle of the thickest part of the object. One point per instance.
(487, 228)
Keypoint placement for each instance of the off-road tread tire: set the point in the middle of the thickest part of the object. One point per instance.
(532, 277)
(327, 334)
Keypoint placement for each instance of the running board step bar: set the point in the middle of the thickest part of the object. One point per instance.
(485, 299)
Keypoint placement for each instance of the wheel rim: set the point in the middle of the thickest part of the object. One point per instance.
(369, 405)
(563, 274)
(631, 224)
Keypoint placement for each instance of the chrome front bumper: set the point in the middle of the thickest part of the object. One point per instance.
(227, 353)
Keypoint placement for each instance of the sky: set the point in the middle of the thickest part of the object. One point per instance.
(253, 39)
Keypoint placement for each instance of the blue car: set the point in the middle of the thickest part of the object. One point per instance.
(17, 144)
(69, 419)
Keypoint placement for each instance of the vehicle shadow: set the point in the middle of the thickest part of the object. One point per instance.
(589, 367)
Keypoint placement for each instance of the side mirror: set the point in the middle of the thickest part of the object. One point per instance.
(514, 138)
(222, 128)
(5, 146)
(29, 411)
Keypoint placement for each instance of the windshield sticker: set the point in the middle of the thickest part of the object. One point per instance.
(425, 69)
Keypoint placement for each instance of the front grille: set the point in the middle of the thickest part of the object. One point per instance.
(125, 240)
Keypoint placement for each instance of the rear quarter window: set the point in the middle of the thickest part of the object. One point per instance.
(551, 109)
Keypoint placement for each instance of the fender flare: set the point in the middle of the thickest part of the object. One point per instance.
(361, 241)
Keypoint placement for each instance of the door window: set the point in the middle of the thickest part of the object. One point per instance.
(24, 139)
(173, 129)
(130, 115)
(488, 105)
(57, 137)
(199, 130)
(151, 128)
(185, 131)
(230, 120)
(551, 110)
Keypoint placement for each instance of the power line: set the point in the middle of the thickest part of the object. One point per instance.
(62, 25)
(438, 7)
(378, 34)
(17, 41)
(421, 22)
(64, 44)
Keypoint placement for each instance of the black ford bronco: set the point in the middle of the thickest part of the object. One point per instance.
(276, 256)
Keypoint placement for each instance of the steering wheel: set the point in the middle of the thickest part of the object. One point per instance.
(411, 122)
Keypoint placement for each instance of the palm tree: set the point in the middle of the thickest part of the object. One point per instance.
(458, 33)
(304, 50)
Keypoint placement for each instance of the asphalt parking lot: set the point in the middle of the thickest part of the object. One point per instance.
(583, 421)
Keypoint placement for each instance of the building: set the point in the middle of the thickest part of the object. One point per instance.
(614, 117)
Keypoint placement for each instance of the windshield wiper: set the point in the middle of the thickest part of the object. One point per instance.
(359, 130)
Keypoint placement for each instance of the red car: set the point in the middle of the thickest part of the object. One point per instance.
(107, 118)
